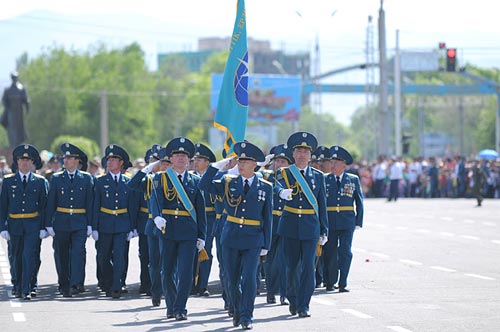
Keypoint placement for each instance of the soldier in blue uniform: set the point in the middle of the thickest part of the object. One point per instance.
(304, 220)
(345, 214)
(275, 261)
(149, 252)
(68, 217)
(113, 211)
(178, 210)
(22, 210)
(246, 234)
(203, 156)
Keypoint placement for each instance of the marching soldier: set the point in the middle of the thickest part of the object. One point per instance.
(202, 158)
(178, 210)
(113, 224)
(345, 214)
(246, 235)
(304, 220)
(275, 261)
(68, 217)
(22, 210)
(149, 248)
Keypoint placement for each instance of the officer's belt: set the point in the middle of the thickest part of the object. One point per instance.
(243, 221)
(70, 211)
(176, 212)
(299, 211)
(144, 209)
(23, 215)
(209, 209)
(277, 212)
(114, 212)
(340, 208)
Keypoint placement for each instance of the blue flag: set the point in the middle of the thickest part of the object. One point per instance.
(232, 106)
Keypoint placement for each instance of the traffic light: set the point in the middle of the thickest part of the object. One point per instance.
(451, 59)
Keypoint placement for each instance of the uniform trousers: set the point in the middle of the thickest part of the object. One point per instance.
(24, 251)
(338, 256)
(112, 259)
(154, 265)
(70, 249)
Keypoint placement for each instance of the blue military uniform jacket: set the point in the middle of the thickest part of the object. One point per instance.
(298, 220)
(141, 183)
(278, 203)
(210, 200)
(345, 204)
(166, 203)
(69, 206)
(115, 205)
(22, 210)
(254, 206)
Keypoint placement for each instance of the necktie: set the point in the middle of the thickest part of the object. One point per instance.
(338, 181)
(25, 181)
(246, 187)
(116, 180)
(71, 176)
(302, 172)
(180, 178)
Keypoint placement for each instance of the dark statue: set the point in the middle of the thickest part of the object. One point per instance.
(14, 97)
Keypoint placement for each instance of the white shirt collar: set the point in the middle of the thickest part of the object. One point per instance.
(250, 179)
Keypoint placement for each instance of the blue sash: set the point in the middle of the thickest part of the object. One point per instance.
(182, 193)
(305, 187)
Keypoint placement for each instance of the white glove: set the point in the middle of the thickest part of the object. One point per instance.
(50, 230)
(89, 231)
(130, 235)
(160, 222)
(323, 239)
(263, 252)
(200, 244)
(267, 161)
(43, 234)
(149, 168)
(286, 194)
(5, 235)
(95, 235)
(222, 163)
(357, 227)
(136, 233)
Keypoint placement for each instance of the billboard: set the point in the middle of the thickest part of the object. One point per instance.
(270, 97)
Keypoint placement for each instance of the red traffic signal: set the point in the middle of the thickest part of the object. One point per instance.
(451, 59)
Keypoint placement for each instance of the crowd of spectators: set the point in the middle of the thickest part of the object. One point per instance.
(429, 178)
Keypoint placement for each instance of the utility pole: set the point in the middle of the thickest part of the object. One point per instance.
(370, 93)
(397, 99)
(384, 111)
(104, 122)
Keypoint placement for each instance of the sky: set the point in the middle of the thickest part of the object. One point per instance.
(340, 26)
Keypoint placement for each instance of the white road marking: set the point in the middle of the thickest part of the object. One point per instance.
(469, 221)
(489, 223)
(5, 269)
(15, 304)
(358, 249)
(446, 218)
(3, 258)
(423, 230)
(410, 262)
(398, 329)
(496, 241)
(19, 317)
(469, 237)
(322, 301)
(447, 234)
(444, 269)
(401, 228)
(4, 264)
(380, 255)
(478, 276)
(6, 276)
(356, 313)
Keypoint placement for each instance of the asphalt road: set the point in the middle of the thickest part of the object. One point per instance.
(419, 265)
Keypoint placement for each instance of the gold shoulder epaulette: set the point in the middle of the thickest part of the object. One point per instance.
(9, 175)
(320, 171)
(58, 173)
(84, 172)
(265, 181)
(100, 175)
(39, 175)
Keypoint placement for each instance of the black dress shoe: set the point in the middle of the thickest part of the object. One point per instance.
(81, 289)
(116, 294)
(204, 292)
(271, 299)
(329, 288)
(27, 297)
(246, 326)
(236, 321)
(293, 309)
(181, 316)
(304, 314)
(66, 293)
(343, 290)
(18, 295)
(230, 312)
(170, 314)
(33, 293)
(74, 290)
(156, 301)
(124, 290)
(283, 300)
